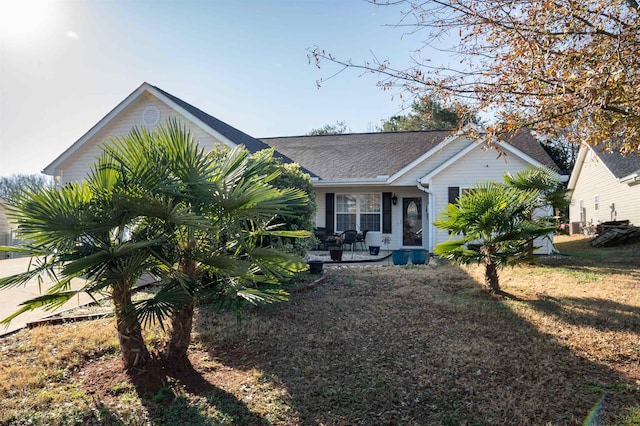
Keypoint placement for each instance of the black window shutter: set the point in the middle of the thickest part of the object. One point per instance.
(386, 213)
(329, 210)
(454, 192)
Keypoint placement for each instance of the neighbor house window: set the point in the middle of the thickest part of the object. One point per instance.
(596, 202)
(358, 211)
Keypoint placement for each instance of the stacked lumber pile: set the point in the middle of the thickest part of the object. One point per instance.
(610, 234)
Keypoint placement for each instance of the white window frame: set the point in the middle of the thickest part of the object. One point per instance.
(596, 202)
(358, 211)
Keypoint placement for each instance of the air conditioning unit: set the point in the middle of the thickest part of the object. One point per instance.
(575, 228)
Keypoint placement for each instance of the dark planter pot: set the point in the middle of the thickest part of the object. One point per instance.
(315, 266)
(400, 257)
(374, 250)
(336, 254)
(419, 256)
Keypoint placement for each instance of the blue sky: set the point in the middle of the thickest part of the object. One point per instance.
(65, 64)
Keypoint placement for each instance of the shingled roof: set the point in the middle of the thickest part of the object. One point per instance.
(357, 155)
(369, 155)
(524, 141)
(230, 132)
(618, 164)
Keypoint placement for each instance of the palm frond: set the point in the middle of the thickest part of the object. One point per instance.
(261, 297)
(160, 307)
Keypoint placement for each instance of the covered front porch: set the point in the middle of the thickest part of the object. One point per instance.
(388, 218)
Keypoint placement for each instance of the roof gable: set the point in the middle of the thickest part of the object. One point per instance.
(524, 142)
(618, 165)
(211, 125)
(229, 132)
(505, 148)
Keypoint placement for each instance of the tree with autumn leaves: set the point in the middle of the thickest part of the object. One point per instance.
(548, 65)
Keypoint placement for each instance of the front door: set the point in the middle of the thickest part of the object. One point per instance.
(412, 221)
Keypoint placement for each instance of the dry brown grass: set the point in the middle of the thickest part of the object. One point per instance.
(388, 345)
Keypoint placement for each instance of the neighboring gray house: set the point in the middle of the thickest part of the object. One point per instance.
(6, 230)
(604, 186)
(386, 183)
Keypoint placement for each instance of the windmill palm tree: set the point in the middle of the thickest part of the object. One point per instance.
(551, 192)
(544, 180)
(77, 232)
(155, 202)
(490, 225)
(224, 253)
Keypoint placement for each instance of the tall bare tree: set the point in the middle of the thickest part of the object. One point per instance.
(546, 65)
(11, 185)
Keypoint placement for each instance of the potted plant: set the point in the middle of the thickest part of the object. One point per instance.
(335, 248)
(419, 256)
(315, 266)
(335, 253)
(400, 257)
(386, 240)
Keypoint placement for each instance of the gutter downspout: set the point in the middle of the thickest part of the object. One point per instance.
(431, 203)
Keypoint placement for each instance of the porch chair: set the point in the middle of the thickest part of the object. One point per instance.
(349, 237)
(362, 239)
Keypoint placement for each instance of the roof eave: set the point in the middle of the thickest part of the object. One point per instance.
(582, 152)
(348, 182)
(631, 179)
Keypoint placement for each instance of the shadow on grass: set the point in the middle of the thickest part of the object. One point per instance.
(419, 345)
(601, 314)
(196, 402)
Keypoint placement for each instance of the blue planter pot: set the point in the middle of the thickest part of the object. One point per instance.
(374, 250)
(419, 256)
(400, 257)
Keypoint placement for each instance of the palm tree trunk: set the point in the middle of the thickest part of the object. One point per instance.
(491, 277)
(134, 351)
(175, 352)
(490, 268)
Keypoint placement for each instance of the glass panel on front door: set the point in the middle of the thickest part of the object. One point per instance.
(412, 221)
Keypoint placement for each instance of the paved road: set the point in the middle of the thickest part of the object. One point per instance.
(10, 299)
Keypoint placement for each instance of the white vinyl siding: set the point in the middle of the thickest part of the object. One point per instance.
(77, 166)
(616, 201)
(321, 200)
(431, 163)
(476, 166)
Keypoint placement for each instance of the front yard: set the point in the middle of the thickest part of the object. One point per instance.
(370, 345)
